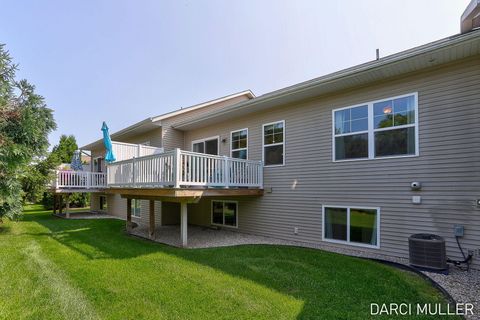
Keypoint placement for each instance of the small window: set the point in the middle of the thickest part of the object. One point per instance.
(103, 203)
(239, 144)
(351, 133)
(352, 225)
(386, 128)
(224, 213)
(274, 143)
(136, 208)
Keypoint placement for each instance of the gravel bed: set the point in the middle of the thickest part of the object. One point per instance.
(464, 287)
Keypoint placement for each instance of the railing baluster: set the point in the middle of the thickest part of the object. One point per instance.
(178, 168)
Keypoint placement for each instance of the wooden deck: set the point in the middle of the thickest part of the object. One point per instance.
(182, 194)
(74, 190)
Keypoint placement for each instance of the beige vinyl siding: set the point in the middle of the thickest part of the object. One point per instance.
(173, 138)
(448, 165)
(152, 136)
(94, 202)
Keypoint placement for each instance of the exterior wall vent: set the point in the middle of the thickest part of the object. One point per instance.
(427, 251)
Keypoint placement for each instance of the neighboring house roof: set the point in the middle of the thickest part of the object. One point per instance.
(247, 93)
(155, 122)
(432, 54)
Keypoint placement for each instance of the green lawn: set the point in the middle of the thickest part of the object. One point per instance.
(52, 268)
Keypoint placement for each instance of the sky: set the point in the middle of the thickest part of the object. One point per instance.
(122, 61)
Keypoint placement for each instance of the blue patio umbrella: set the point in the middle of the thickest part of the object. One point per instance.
(109, 156)
(76, 163)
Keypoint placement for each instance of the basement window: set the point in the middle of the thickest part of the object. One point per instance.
(136, 208)
(352, 225)
(225, 213)
(103, 203)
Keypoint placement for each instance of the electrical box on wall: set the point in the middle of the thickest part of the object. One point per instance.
(416, 199)
(458, 230)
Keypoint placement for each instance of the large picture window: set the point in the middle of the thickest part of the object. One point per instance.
(224, 213)
(239, 144)
(352, 225)
(274, 143)
(385, 128)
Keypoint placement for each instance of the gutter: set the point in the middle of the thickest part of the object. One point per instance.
(349, 72)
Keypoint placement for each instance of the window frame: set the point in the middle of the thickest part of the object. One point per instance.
(284, 143)
(240, 149)
(223, 214)
(207, 139)
(348, 242)
(134, 205)
(371, 130)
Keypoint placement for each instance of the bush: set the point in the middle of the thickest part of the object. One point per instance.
(77, 200)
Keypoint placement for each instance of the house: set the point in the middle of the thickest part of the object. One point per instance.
(361, 158)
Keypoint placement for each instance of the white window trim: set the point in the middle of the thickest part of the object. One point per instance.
(224, 225)
(274, 144)
(371, 130)
(134, 201)
(207, 139)
(231, 140)
(348, 242)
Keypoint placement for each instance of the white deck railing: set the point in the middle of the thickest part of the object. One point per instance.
(79, 180)
(180, 168)
(125, 151)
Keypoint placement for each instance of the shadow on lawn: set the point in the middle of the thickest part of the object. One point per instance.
(330, 285)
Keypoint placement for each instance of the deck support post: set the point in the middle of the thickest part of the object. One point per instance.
(67, 206)
(129, 214)
(152, 220)
(60, 207)
(55, 203)
(183, 223)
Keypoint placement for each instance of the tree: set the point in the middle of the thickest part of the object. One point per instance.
(25, 122)
(36, 177)
(40, 173)
(65, 148)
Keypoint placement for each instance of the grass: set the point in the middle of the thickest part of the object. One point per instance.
(52, 268)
